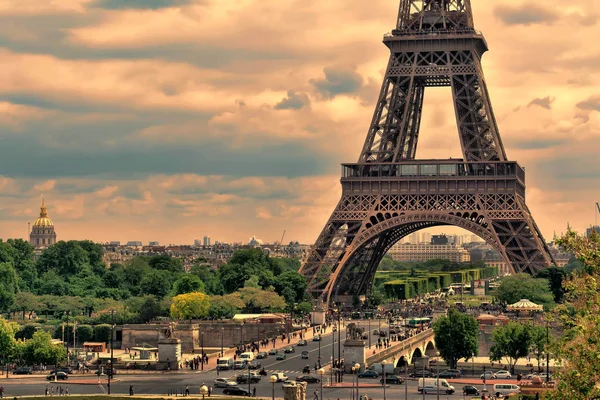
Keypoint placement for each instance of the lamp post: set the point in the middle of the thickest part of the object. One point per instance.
(369, 333)
(340, 375)
(67, 313)
(202, 350)
(203, 391)
(112, 333)
(273, 380)
(321, 371)
(357, 368)
(547, 352)
(383, 363)
(438, 376)
(353, 371)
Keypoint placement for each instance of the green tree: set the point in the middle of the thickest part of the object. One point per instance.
(102, 333)
(150, 309)
(511, 341)
(27, 332)
(579, 320)
(555, 277)
(66, 258)
(291, 280)
(7, 339)
(304, 308)
(27, 303)
(187, 284)
(40, 350)
(190, 306)
(258, 301)
(85, 333)
(165, 262)
(8, 286)
(209, 277)
(456, 337)
(225, 306)
(157, 283)
(539, 341)
(522, 286)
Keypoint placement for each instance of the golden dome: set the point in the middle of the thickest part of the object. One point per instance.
(43, 221)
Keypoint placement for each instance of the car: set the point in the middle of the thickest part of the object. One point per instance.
(23, 371)
(288, 382)
(248, 378)
(488, 375)
(66, 370)
(61, 376)
(289, 349)
(261, 355)
(316, 338)
(280, 356)
(503, 375)
(224, 383)
(369, 374)
(254, 364)
(307, 379)
(470, 389)
(273, 352)
(421, 374)
(302, 343)
(236, 391)
(392, 380)
(280, 377)
(305, 355)
(542, 376)
(449, 374)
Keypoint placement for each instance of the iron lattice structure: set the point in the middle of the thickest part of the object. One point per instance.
(388, 194)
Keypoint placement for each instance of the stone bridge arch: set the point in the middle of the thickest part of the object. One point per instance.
(427, 348)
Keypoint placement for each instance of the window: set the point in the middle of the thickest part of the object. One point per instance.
(409, 170)
(429, 170)
(448, 170)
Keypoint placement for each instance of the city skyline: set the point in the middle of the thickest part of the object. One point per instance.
(127, 125)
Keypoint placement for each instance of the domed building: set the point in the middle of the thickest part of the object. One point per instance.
(42, 233)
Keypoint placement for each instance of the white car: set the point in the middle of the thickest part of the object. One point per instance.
(488, 375)
(224, 383)
(503, 375)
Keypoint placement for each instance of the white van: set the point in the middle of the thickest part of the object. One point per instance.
(247, 356)
(506, 388)
(224, 363)
(433, 385)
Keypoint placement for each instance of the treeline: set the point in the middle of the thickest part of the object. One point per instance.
(71, 276)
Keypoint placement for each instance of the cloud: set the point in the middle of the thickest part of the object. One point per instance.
(139, 4)
(591, 104)
(546, 102)
(337, 81)
(525, 14)
(293, 101)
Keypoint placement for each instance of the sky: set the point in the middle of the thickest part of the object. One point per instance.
(169, 120)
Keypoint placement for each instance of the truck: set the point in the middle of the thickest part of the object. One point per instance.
(224, 363)
(378, 367)
(435, 385)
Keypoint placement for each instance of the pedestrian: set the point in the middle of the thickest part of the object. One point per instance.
(254, 391)
(1, 392)
(46, 392)
(187, 390)
(131, 390)
(316, 395)
(66, 391)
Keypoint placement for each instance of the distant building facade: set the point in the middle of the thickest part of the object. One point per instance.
(206, 241)
(42, 232)
(425, 252)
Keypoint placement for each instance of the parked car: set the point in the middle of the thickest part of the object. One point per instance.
(449, 374)
(66, 370)
(236, 391)
(261, 355)
(224, 382)
(470, 389)
(273, 352)
(503, 375)
(61, 376)
(392, 380)
(289, 349)
(280, 356)
(302, 343)
(369, 374)
(316, 338)
(421, 374)
(240, 364)
(244, 378)
(23, 371)
(305, 355)
(254, 364)
(488, 375)
(307, 379)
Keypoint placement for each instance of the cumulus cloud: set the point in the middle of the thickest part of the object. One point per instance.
(337, 81)
(525, 14)
(546, 102)
(139, 4)
(293, 101)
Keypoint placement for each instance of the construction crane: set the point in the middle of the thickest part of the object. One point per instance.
(596, 212)
(283, 235)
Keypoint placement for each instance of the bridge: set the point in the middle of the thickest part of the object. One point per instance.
(407, 350)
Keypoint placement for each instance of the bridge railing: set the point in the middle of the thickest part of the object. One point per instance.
(400, 346)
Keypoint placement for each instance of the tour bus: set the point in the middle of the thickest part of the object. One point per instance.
(224, 363)
(435, 385)
(247, 356)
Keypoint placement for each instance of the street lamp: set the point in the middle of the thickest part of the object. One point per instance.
(357, 368)
(67, 313)
(438, 376)
(203, 391)
(383, 363)
(222, 330)
(202, 350)
(321, 371)
(353, 371)
(112, 333)
(547, 352)
(273, 380)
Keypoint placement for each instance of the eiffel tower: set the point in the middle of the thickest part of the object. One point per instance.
(388, 194)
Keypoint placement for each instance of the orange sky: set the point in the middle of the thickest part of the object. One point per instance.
(169, 120)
